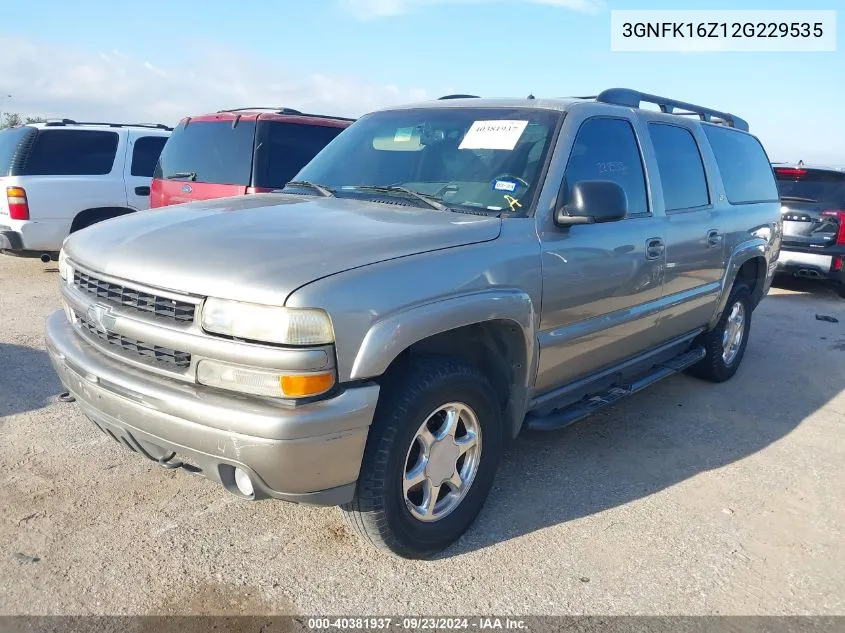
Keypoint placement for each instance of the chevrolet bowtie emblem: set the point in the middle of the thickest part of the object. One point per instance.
(100, 315)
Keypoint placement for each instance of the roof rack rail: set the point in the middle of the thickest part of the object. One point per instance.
(288, 111)
(633, 98)
(63, 122)
(276, 109)
(158, 126)
(458, 96)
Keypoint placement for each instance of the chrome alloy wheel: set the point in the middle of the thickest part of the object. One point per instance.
(733, 333)
(442, 462)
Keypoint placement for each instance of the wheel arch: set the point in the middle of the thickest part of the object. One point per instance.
(748, 263)
(491, 330)
(97, 214)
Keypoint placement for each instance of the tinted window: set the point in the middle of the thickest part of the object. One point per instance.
(606, 149)
(681, 170)
(11, 140)
(214, 150)
(145, 154)
(285, 148)
(486, 159)
(743, 165)
(812, 185)
(71, 153)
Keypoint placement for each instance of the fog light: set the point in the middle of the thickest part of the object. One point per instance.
(243, 482)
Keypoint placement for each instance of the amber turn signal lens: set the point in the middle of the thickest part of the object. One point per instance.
(304, 385)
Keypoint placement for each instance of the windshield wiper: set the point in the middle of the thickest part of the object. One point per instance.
(431, 201)
(190, 175)
(797, 199)
(323, 191)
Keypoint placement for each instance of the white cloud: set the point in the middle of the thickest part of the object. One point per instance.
(370, 9)
(47, 80)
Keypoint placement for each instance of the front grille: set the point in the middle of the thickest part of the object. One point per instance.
(179, 311)
(146, 352)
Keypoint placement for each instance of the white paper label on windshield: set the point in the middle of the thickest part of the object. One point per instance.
(493, 135)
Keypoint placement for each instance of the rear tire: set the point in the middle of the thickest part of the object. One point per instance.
(390, 511)
(725, 344)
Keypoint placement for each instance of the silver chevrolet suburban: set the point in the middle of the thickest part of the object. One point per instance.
(440, 277)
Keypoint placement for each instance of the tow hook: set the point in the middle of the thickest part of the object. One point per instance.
(66, 397)
(165, 462)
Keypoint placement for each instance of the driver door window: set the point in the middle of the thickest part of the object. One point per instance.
(607, 149)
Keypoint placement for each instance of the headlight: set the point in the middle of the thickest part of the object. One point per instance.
(65, 269)
(287, 326)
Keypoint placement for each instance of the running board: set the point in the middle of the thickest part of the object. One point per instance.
(562, 418)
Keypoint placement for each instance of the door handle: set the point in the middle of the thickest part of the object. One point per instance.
(714, 238)
(142, 191)
(654, 248)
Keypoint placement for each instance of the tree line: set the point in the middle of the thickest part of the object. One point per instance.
(13, 119)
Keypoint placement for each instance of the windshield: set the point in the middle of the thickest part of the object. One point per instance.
(485, 159)
(812, 185)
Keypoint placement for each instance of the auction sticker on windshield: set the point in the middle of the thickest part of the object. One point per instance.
(493, 135)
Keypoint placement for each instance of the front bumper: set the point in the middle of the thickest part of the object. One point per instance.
(309, 453)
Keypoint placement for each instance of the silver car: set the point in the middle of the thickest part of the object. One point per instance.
(440, 277)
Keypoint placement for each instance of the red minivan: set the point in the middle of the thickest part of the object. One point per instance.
(235, 152)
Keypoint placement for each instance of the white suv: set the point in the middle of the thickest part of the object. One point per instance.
(61, 176)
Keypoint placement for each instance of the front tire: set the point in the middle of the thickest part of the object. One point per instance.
(431, 456)
(725, 344)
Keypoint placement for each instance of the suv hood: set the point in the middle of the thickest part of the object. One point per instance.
(262, 247)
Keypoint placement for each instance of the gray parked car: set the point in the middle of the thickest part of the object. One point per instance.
(440, 277)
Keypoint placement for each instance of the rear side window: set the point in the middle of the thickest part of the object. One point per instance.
(681, 170)
(213, 150)
(11, 142)
(812, 185)
(145, 153)
(743, 165)
(607, 149)
(71, 153)
(282, 149)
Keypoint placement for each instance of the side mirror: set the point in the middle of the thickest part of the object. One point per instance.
(593, 201)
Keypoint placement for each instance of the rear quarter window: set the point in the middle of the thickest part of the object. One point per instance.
(71, 153)
(215, 151)
(282, 149)
(12, 143)
(145, 153)
(745, 169)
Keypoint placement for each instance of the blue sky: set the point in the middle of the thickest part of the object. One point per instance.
(158, 60)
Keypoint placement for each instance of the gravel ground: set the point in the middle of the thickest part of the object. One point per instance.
(689, 498)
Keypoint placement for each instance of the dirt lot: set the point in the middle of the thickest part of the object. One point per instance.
(688, 499)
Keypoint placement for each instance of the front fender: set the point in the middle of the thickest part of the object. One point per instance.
(390, 336)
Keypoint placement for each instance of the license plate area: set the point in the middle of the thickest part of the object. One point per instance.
(822, 263)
